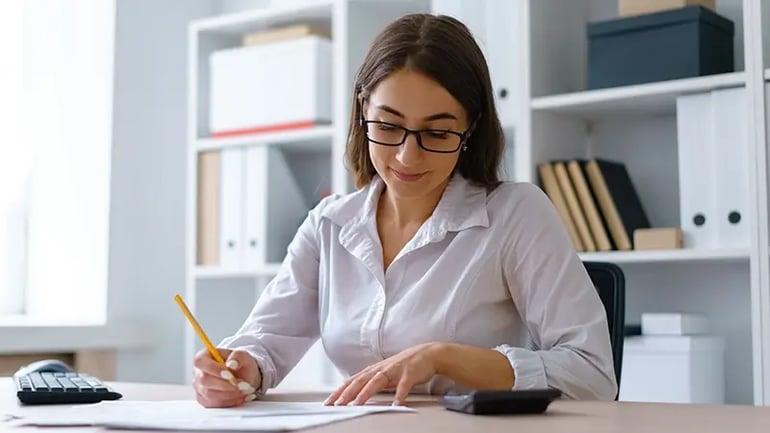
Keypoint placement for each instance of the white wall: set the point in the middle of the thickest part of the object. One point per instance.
(147, 231)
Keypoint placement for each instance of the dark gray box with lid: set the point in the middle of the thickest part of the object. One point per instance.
(681, 43)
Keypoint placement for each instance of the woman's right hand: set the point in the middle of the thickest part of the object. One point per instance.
(214, 384)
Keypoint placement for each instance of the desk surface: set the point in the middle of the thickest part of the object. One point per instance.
(562, 415)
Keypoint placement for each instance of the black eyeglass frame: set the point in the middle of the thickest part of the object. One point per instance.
(417, 133)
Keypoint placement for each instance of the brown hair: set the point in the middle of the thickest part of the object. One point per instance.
(442, 48)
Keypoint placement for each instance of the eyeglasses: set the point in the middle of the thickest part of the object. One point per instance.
(432, 140)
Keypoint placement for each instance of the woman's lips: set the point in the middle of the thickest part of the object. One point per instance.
(406, 177)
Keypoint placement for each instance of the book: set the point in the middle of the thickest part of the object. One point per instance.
(209, 164)
(588, 204)
(617, 200)
(283, 33)
(573, 205)
(550, 185)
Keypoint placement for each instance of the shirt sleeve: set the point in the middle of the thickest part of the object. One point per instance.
(558, 305)
(284, 322)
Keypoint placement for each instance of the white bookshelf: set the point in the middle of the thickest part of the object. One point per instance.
(554, 117)
(636, 100)
(212, 272)
(637, 125)
(222, 296)
(669, 256)
(316, 139)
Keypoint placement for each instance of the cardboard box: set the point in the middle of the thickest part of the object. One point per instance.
(668, 238)
(270, 87)
(627, 8)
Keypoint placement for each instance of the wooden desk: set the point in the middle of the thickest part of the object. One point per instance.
(562, 416)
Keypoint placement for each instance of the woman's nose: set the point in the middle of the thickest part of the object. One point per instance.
(409, 153)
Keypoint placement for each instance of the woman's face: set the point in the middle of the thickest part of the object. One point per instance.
(412, 100)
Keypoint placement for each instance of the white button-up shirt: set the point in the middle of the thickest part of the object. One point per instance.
(494, 270)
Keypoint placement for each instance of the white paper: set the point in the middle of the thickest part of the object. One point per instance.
(190, 416)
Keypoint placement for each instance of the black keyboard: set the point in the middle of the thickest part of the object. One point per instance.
(62, 388)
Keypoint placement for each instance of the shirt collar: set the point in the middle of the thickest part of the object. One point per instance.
(462, 206)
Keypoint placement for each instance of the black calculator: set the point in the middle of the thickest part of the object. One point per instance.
(501, 402)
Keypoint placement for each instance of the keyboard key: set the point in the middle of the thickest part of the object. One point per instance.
(37, 382)
(51, 381)
(68, 385)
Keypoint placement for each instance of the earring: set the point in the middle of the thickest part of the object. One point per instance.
(465, 148)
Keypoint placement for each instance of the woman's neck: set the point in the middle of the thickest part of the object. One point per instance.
(405, 212)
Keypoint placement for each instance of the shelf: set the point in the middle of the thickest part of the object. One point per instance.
(317, 139)
(236, 24)
(643, 99)
(211, 273)
(767, 74)
(657, 256)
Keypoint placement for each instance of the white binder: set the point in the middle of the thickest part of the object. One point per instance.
(731, 145)
(493, 24)
(231, 210)
(274, 205)
(255, 233)
(713, 169)
(286, 206)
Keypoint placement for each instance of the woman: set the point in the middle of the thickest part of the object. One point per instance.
(434, 275)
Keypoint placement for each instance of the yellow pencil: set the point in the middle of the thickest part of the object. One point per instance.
(212, 350)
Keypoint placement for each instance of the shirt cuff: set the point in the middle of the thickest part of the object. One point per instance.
(266, 370)
(528, 369)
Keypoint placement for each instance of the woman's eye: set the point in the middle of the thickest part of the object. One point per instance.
(437, 134)
(384, 127)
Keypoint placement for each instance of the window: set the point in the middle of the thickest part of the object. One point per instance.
(55, 163)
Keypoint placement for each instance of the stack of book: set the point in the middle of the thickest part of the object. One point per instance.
(597, 202)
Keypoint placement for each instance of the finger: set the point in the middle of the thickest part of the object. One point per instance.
(211, 403)
(352, 390)
(377, 383)
(402, 390)
(236, 359)
(207, 364)
(220, 384)
(338, 392)
(217, 395)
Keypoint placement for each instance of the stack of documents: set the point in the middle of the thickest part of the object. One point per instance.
(189, 415)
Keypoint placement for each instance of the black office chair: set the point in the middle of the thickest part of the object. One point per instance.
(611, 285)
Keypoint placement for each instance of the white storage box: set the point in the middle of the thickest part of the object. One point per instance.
(272, 86)
(683, 369)
(674, 324)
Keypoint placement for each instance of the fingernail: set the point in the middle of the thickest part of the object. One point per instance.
(339, 401)
(396, 403)
(232, 364)
(251, 397)
(226, 375)
(245, 387)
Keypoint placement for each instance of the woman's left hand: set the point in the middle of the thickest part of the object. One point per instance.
(403, 371)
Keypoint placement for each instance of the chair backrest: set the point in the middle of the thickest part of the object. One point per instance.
(610, 283)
